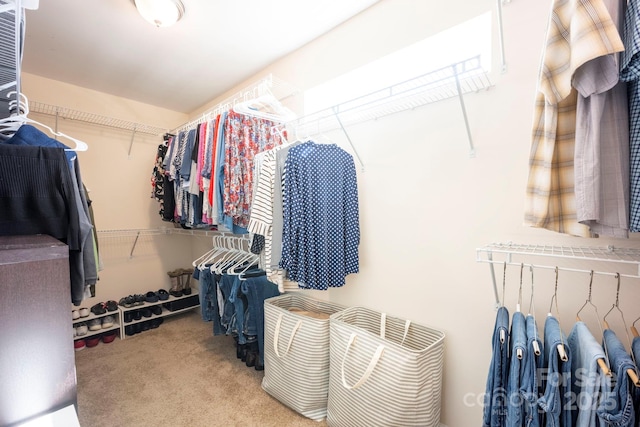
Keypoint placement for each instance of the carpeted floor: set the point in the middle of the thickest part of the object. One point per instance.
(176, 375)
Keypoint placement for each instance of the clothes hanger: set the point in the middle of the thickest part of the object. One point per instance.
(11, 124)
(503, 336)
(519, 354)
(267, 107)
(532, 311)
(560, 347)
(633, 375)
(601, 362)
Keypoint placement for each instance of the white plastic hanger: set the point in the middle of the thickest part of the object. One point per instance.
(11, 124)
(267, 107)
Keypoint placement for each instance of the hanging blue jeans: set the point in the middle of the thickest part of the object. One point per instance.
(557, 380)
(588, 379)
(529, 386)
(617, 408)
(518, 340)
(206, 294)
(238, 306)
(257, 289)
(495, 398)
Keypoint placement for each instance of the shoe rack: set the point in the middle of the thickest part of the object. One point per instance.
(116, 324)
(171, 306)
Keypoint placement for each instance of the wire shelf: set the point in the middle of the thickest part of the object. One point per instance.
(605, 254)
(448, 82)
(11, 44)
(609, 254)
(267, 85)
(71, 114)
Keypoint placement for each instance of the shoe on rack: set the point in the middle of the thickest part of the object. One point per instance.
(186, 280)
(75, 314)
(108, 337)
(163, 295)
(94, 324)
(176, 282)
(111, 305)
(81, 329)
(139, 299)
(126, 302)
(107, 322)
(156, 309)
(145, 326)
(93, 341)
(128, 316)
(146, 312)
(137, 315)
(79, 345)
(129, 330)
(99, 308)
(84, 312)
(151, 297)
(154, 323)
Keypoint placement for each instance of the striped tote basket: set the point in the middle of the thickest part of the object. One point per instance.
(296, 352)
(384, 371)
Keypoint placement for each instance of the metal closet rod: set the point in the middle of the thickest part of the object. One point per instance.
(136, 233)
(549, 267)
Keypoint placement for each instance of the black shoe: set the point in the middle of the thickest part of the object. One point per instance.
(99, 308)
(111, 305)
(251, 358)
(156, 309)
(146, 312)
(151, 297)
(163, 295)
(241, 351)
(145, 326)
(259, 366)
(128, 316)
(138, 328)
(137, 315)
(129, 330)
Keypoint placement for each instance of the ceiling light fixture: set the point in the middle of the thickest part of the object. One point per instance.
(161, 13)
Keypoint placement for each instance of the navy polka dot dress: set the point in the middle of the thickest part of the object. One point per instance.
(321, 230)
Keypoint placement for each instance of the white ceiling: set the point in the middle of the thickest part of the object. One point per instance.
(107, 46)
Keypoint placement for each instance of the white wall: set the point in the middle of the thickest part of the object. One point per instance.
(425, 205)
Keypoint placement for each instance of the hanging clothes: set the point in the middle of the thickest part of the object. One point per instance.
(529, 385)
(518, 357)
(495, 401)
(556, 399)
(630, 73)
(616, 408)
(602, 141)
(321, 231)
(44, 194)
(589, 381)
(550, 201)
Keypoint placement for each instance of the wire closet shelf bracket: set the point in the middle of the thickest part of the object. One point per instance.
(452, 81)
(543, 256)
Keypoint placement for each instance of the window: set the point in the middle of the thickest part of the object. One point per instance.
(461, 42)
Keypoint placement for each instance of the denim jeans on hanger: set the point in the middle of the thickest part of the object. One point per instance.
(518, 339)
(588, 378)
(495, 398)
(208, 297)
(617, 408)
(258, 289)
(529, 386)
(556, 382)
(635, 348)
(225, 284)
(235, 300)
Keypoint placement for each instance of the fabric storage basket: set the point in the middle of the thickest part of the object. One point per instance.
(384, 371)
(296, 352)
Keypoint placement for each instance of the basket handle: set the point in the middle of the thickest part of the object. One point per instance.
(276, 335)
(368, 371)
